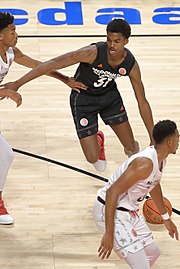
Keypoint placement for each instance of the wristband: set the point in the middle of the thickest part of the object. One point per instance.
(165, 216)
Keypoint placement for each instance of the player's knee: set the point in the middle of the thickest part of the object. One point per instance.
(155, 256)
(152, 253)
(138, 260)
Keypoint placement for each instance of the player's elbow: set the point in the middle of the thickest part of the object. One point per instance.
(111, 192)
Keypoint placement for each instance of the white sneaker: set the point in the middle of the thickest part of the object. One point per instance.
(5, 218)
(100, 165)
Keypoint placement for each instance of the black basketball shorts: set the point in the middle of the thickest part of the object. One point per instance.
(85, 109)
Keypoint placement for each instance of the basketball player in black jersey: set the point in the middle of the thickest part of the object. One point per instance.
(100, 64)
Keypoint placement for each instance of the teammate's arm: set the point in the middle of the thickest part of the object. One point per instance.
(143, 104)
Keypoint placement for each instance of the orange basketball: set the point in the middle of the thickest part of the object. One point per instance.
(151, 212)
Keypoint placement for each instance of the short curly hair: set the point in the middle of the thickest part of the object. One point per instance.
(163, 129)
(5, 19)
(119, 26)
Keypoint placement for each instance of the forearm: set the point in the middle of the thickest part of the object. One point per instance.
(58, 75)
(157, 197)
(32, 63)
(147, 117)
(110, 208)
(40, 70)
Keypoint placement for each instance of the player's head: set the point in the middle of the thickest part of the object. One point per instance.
(5, 20)
(118, 32)
(166, 130)
(8, 35)
(119, 26)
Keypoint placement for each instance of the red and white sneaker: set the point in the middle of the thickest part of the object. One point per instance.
(5, 218)
(100, 165)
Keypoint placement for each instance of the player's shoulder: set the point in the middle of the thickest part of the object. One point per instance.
(129, 54)
(142, 165)
(85, 54)
(99, 44)
(17, 52)
(144, 157)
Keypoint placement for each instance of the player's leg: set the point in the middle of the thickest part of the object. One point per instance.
(93, 148)
(85, 114)
(145, 235)
(137, 260)
(90, 147)
(152, 252)
(125, 135)
(145, 258)
(6, 158)
(114, 114)
(127, 245)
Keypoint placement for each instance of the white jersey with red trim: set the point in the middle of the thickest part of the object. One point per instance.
(4, 67)
(137, 193)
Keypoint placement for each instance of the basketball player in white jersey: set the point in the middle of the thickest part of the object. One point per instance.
(8, 54)
(116, 209)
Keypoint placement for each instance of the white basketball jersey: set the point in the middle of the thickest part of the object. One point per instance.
(137, 192)
(4, 67)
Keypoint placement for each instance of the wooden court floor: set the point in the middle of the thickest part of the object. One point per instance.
(52, 205)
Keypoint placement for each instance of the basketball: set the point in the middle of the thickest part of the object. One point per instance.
(151, 212)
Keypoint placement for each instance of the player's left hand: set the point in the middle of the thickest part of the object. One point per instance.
(171, 227)
(76, 85)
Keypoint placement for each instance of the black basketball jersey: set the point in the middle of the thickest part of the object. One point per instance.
(99, 76)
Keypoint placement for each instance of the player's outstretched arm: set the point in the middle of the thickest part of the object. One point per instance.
(27, 61)
(87, 54)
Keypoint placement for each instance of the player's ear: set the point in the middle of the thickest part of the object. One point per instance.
(169, 142)
(126, 41)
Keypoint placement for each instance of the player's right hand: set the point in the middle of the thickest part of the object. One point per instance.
(76, 85)
(106, 246)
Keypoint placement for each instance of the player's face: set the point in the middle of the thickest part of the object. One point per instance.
(9, 36)
(115, 43)
(175, 142)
